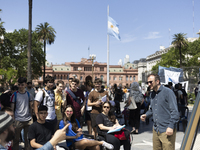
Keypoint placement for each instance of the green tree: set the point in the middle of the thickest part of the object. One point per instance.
(47, 34)
(2, 29)
(13, 54)
(179, 41)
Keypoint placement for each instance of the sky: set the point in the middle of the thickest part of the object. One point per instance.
(144, 25)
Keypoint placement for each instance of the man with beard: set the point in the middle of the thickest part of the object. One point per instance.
(46, 97)
(7, 130)
(165, 114)
(94, 100)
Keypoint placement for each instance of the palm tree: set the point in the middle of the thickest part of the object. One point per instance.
(29, 41)
(179, 41)
(47, 34)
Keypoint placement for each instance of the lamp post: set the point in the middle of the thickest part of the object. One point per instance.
(93, 57)
(79, 69)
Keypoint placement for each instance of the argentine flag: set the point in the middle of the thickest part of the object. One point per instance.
(113, 28)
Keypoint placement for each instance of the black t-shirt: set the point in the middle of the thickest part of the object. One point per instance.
(42, 133)
(103, 119)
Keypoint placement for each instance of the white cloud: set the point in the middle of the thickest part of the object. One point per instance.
(153, 35)
(9, 31)
(128, 38)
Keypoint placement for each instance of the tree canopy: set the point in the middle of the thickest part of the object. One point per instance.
(13, 55)
(190, 55)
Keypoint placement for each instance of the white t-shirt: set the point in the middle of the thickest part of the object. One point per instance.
(22, 112)
(49, 102)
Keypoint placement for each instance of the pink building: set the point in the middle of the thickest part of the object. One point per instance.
(120, 75)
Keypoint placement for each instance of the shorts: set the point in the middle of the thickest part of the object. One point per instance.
(93, 119)
(87, 116)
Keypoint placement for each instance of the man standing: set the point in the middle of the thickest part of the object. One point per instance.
(94, 100)
(75, 97)
(165, 114)
(40, 132)
(46, 97)
(30, 89)
(21, 105)
(7, 130)
(59, 101)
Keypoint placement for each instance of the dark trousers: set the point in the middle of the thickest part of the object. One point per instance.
(117, 106)
(134, 116)
(53, 123)
(117, 143)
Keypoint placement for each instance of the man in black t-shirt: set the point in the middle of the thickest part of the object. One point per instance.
(40, 132)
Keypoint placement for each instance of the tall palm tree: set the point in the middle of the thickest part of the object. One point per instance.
(179, 41)
(47, 34)
(29, 41)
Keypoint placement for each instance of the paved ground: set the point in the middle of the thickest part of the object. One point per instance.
(143, 140)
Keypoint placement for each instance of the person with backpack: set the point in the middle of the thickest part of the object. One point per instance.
(75, 97)
(46, 97)
(21, 105)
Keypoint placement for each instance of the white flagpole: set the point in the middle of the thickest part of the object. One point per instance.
(108, 53)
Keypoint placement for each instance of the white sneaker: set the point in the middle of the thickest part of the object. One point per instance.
(107, 145)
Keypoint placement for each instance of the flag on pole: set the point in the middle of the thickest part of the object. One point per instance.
(113, 28)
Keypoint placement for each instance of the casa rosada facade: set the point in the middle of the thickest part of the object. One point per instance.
(120, 75)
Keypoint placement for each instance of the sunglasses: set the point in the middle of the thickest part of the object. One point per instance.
(106, 107)
(149, 82)
(71, 112)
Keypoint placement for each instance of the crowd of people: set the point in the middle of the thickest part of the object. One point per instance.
(37, 116)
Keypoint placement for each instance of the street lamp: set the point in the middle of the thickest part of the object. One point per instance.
(93, 57)
(79, 69)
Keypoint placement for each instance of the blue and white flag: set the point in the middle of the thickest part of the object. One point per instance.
(113, 28)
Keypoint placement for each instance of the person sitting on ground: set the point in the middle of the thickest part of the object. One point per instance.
(40, 131)
(75, 132)
(106, 121)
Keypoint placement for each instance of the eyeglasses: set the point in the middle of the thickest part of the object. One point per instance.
(106, 107)
(149, 82)
(71, 112)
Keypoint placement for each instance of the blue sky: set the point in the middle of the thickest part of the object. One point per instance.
(143, 25)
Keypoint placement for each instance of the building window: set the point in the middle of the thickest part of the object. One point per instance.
(133, 78)
(130, 78)
(120, 70)
(114, 70)
(120, 78)
(126, 78)
(61, 68)
(67, 68)
(75, 68)
(87, 68)
(95, 77)
(55, 77)
(114, 78)
(101, 77)
(101, 68)
(109, 77)
(55, 68)
(81, 78)
(61, 77)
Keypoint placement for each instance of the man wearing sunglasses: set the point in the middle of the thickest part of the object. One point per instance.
(165, 114)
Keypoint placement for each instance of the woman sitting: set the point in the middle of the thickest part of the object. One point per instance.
(75, 132)
(106, 121)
